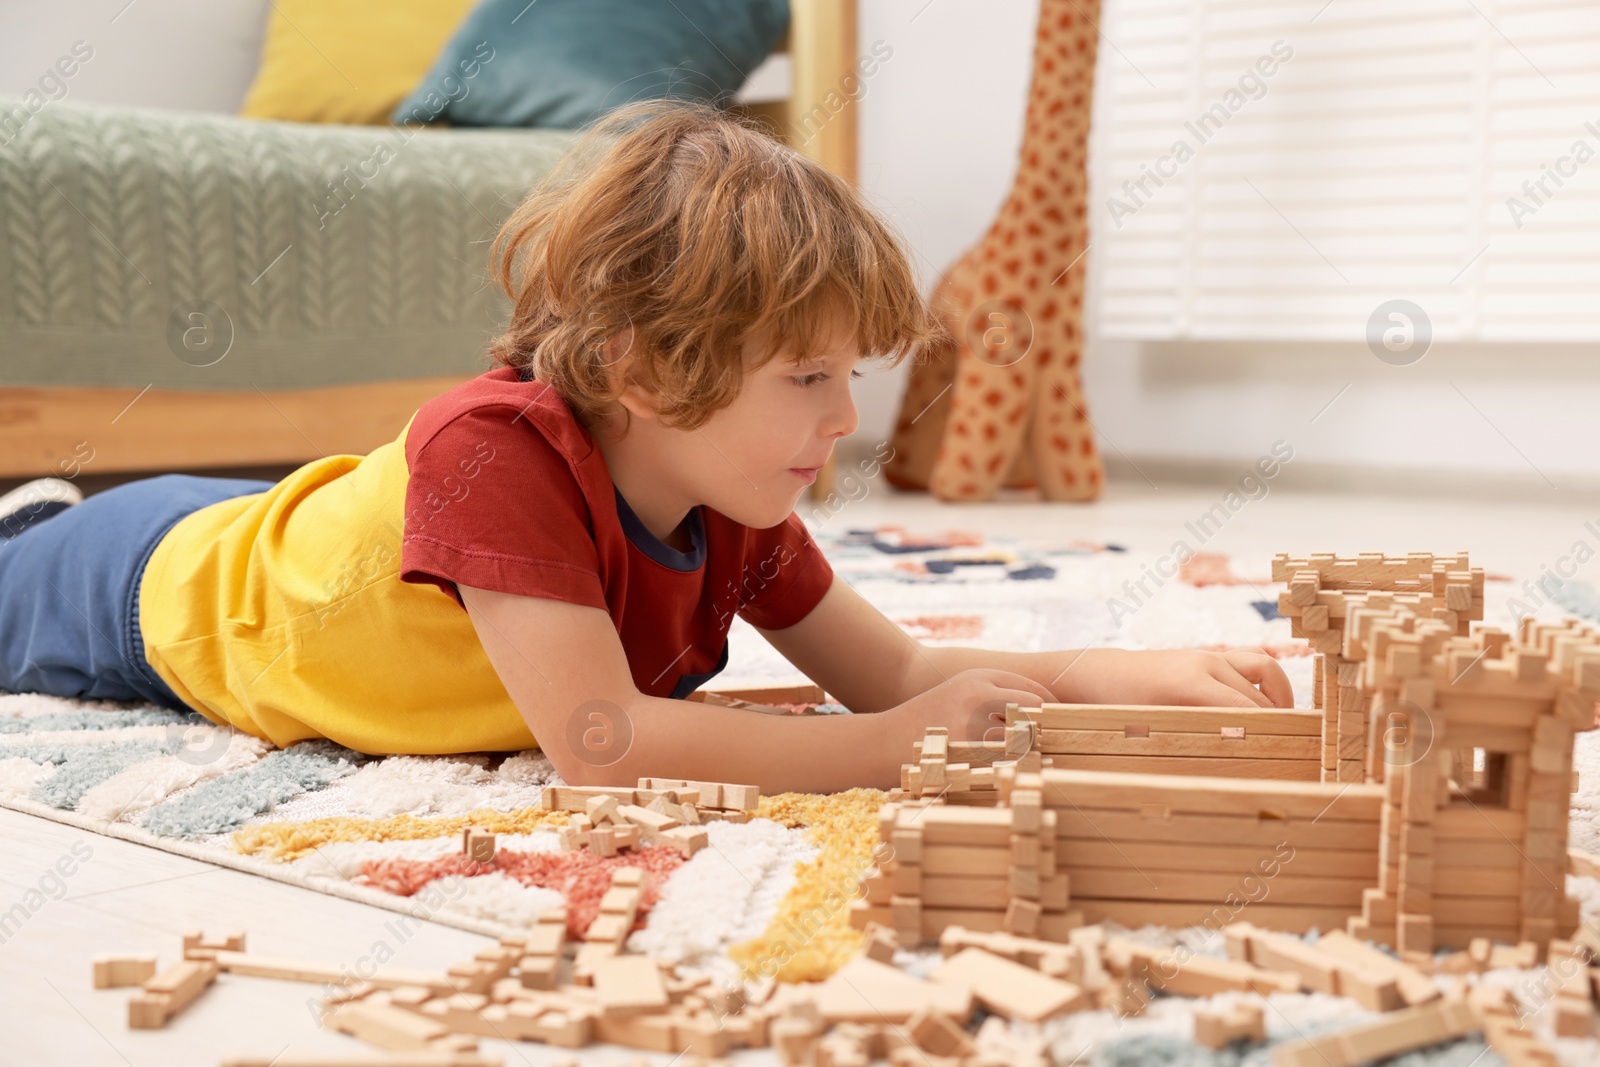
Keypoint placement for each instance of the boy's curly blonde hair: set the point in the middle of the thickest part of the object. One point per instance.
(700, 231)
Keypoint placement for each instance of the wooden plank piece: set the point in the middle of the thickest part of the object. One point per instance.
(629, 985)
(1401, 1031)
(1007, 988)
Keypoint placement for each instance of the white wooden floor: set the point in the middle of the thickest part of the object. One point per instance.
(129, 898)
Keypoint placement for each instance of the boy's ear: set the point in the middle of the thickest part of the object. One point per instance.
(617, 351)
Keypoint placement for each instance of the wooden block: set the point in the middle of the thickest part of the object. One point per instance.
(477, 844)
(935, 1032)
(620, 900)
(1521, 956)
(739, 797)
(1025, 811)
(590, 955)
(1414, 986)
(387, 1059)
(878, 942)
(169, 992)
(1500, 1018)
(1583, 864)
(1195, 976)
(646, 819)
(293, 970)
(629, 985)
(907, 844)
(602, 841)
(1317, 970)
(1008, 988)
(1401, 1031)
(196, 942)
(545, 939)
(539, 972)
(794, 1040)
(906, 916)
(864, 990)
(1022, 916)
(1218, 1028)
(1282, 799)
(391, 1027)
(602, 809)
(663, 806)
(686, 839)
(114, 971)
(610, 928)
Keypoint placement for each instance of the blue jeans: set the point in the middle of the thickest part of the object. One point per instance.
(69, 590)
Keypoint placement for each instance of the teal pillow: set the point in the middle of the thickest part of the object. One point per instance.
(564, 63)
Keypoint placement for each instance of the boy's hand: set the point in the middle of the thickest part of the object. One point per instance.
(1226, 679)
(969, 703)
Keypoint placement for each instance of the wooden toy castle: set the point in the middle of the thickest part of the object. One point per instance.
(1422, 802)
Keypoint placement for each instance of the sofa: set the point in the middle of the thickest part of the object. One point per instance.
(187, 290)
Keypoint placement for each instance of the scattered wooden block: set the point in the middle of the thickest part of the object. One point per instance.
(196, 945)
(1217, 1028)
(629, 985)
(1318, 971)
(293, 970)
(1047, 957)
(1414, 986)
(1500, 1018)
(167, 993)
(866, 991)
(646, 819)
(114, 971)
(935, 1032)
(1008, 988)
(878, 942)
(387, 1059)
(1574, 1000)
(1191, 975)
(477, 844)
(390, 1027)
(686, 839)
(1583, 864)
(1389, 1035)
(541, 951)
(602, 809)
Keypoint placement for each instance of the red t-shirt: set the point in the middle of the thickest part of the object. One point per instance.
(507, 491)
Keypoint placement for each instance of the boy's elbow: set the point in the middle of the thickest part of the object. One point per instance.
(591, 746)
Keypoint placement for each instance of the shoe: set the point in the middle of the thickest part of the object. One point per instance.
(33, 502)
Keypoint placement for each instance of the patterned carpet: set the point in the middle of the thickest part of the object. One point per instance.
(767, 896)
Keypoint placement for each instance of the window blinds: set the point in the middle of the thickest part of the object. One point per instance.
(1275, 170)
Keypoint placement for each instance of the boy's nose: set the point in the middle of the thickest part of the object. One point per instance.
(845, 417)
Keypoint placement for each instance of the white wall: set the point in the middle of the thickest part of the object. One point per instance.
(940, 130)
(197, 55)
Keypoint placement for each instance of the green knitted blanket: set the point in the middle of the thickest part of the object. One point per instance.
(201, 251)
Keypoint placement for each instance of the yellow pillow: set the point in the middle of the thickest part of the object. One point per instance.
(348, 61)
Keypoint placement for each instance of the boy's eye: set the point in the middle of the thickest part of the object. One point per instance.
(819, 376)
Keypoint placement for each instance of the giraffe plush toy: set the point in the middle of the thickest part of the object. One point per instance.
(1000, 402)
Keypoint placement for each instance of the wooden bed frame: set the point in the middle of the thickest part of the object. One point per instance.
(171, 429)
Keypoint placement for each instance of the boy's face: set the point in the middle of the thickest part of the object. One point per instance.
(753, 459)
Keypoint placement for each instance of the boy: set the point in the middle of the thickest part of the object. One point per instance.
(551, 553)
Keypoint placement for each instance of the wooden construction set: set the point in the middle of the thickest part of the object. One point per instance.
(1454, 829)
(1421, 803)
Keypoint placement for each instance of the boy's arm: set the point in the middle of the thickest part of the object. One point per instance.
(565, 669)
(868, 663)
